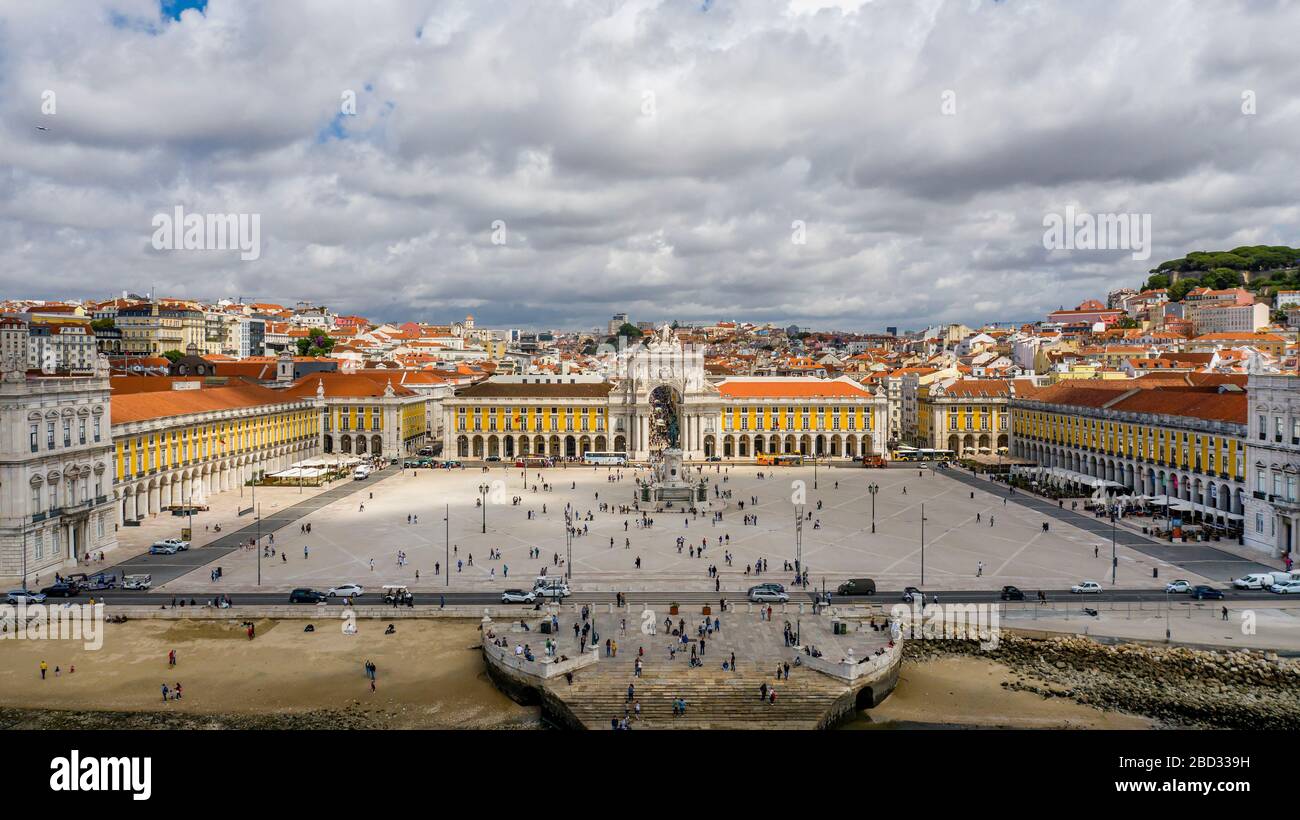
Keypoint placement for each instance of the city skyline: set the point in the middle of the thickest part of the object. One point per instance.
(797, 163)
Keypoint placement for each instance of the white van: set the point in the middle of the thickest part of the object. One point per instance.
(551, 588)
(361, 474)
(1256, 580)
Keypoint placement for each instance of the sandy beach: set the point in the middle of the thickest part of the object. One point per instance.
(430, 673)
(957, 691)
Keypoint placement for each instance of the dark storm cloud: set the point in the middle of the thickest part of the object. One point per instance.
(643, 155)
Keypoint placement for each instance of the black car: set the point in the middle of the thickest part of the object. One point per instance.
(857, 586)
(1012, 594)
(306, 596)
(714, 458)
(910, 592)
(60, 591)
(1204, 593)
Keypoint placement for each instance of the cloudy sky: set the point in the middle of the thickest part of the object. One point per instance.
(843, 165)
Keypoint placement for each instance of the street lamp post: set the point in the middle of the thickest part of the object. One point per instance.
(873, 488)
(798, 541)
(257, 515)
(483, 493)
(1114, 560)
(1166, 614)
(923, 519)
(568, 546)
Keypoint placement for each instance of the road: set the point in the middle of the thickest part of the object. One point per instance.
(696, 597)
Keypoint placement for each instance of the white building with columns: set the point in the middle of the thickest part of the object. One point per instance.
(1273, 464)
(56, 467)
(656, 395)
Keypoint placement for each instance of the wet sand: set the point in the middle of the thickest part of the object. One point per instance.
(967, 693)
(430, 674)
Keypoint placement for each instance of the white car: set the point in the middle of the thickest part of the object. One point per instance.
(1086, 587)
(346, 590)
(518, 596)
(767, 595)
(24, 596)
(1178, 586)
(173, 542)
(1285, 588)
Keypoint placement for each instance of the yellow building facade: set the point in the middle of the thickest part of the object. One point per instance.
(1188, 444)
(175, 447)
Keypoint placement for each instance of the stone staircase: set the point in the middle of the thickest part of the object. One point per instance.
(714, 699)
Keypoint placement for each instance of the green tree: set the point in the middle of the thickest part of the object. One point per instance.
(172, 356)
(1180, 288)
(1156, 281)
(317, 343)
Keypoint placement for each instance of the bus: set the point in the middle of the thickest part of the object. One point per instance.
(532, 461)
(594, 457)
(780, 461)
(924, 454)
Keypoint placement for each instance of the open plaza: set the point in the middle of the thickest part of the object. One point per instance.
(976, 534)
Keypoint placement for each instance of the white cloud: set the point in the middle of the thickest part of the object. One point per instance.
(764, 112)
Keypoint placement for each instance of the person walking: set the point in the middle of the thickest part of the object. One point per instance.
(171, 658)
(44, 668)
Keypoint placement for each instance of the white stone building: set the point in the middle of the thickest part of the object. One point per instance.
(56, 468)
(1273, 464)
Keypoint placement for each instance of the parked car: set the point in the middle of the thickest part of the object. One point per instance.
(1286, 588)
(1255, 580)
(137, 582)
(173, 542)
(1012, 594)
(1180, 585)
(912, 592)
(493, 459)
(100, 580)
(857, 586)
(306, 596)
(1086, 588)
(767, 595)
(1204, 593)
(714, 458)
(60, 591)
(772, 585)
(24, 596)
(164, 549)
(346, 590)
(518, 596)
(551, 588)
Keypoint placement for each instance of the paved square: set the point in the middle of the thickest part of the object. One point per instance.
(964, 526)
